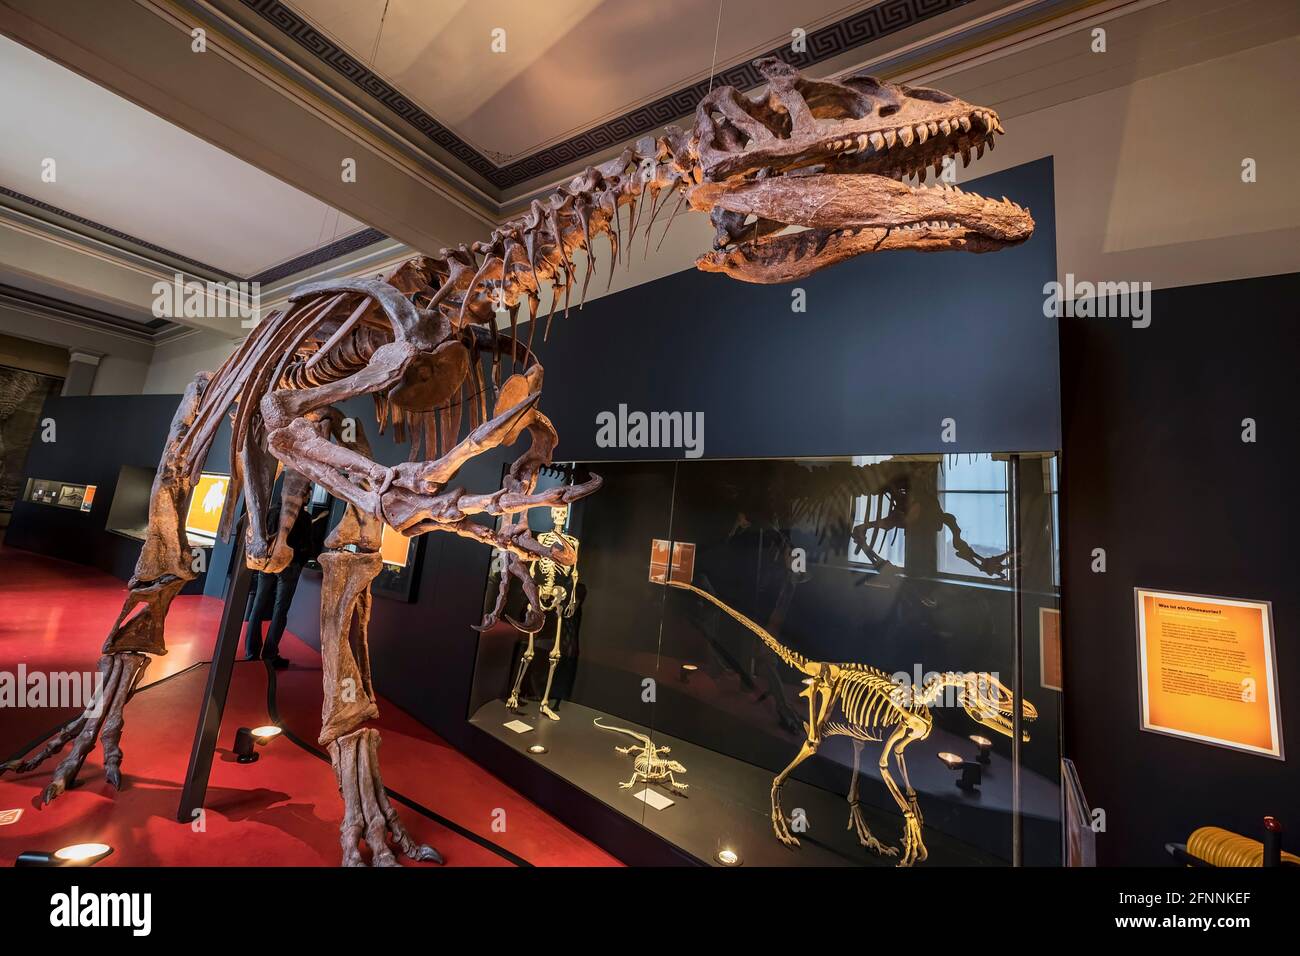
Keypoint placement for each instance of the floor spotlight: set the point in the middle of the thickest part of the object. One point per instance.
(78, 854)
(247, 739)
(728, 857)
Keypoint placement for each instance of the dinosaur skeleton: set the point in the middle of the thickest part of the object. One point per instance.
(865, 704)
(824, 156)
(648, 766)
(551, 596)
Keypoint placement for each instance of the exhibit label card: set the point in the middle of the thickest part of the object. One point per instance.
(1207, 670)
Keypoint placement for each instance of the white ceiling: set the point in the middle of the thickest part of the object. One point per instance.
(123, 167)
(568, 64)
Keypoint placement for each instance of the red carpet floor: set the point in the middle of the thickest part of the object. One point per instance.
(283, 810)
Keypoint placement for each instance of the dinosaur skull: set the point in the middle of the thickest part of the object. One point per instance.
(828, 159)
(990, 702)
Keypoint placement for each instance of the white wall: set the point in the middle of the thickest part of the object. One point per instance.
(1148, 176)
(176, 362)
(125, 362)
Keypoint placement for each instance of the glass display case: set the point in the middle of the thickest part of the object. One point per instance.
(800, 662)
(60, 494)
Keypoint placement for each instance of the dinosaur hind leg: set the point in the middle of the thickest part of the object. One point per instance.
(913, 843)
(779, 824)
(163, 568)
(348, 700)
(856, 820)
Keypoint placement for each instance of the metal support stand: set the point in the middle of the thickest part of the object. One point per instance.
(1017, 662)
(213, 704)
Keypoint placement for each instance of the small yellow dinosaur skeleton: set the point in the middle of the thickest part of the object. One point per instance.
(649, 764)
(551, 596)
(865, 704)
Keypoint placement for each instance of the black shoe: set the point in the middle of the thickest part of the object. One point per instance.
(278, 662)
(253, 656)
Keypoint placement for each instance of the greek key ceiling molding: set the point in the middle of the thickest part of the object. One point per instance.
(865, 26)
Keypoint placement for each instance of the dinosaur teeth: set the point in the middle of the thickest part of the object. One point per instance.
(905, 134)
(922, 132)
(890, 138)
(946, 127)
(877, 141)
(964, 123)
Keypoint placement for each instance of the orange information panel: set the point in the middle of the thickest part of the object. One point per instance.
(1049, 648)
(394, 547)
(680, 568)
(204, 515)
(1207, 670)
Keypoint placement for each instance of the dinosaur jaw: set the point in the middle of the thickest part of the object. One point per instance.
(996, 711)
(841, 215)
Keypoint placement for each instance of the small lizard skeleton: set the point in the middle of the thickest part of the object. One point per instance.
(648, 765)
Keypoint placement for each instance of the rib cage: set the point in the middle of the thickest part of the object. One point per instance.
(347, 356)
(868, 705)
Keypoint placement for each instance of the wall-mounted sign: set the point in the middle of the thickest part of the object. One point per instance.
(680, 568)
(394, 547)
(204, 514)
(1207, 670)
(1049, 649)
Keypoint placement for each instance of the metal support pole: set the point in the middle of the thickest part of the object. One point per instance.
(1017, 662)
(213, 704)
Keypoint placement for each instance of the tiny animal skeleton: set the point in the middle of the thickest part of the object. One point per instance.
(648, 766)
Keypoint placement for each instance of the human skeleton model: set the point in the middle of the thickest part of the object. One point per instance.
(562, 599)
(423, 341)
(649, 765)
(864, 704)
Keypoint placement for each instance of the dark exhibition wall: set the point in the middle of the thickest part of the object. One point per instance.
(889, 347)
(101, 441)
(1157, 474)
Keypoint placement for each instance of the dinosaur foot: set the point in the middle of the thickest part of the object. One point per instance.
(118, 675)
(914, 850)
(781, 828)
(865, 837)
(512, 703)
(367, 814)
(549, 713)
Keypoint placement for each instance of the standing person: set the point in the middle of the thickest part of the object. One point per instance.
(275, 592)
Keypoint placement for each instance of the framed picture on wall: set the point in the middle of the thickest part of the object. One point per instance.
(1207, 670)
(1049, 649)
